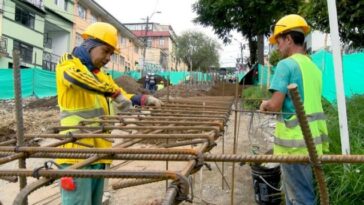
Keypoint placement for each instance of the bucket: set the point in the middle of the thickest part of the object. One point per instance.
(266, 182)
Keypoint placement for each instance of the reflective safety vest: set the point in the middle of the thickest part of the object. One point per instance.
(289, 139)
(80, 97)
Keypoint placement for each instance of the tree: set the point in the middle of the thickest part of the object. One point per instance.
(350, 19)
(275, 57)
(252, 18)
(198, 50)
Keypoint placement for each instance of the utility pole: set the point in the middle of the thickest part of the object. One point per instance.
(146, 39)
(145, 46)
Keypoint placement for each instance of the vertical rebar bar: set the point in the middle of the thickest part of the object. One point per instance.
(19, 114)
(316, 163)
(235, 138)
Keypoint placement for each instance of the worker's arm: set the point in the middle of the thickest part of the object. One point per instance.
(278, 87)
(140, 99)
(274, 104)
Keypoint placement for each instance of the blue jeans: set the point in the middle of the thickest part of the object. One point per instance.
(297, 183)
(89, 191)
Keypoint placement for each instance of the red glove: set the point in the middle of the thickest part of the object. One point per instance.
(68, 184)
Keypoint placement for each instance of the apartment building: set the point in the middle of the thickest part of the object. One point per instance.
(160, 43)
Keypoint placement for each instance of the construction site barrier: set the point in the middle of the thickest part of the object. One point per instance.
(42, 83)
(353, 70)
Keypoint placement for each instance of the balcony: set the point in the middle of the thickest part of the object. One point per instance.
(50, 61)
(37, 3)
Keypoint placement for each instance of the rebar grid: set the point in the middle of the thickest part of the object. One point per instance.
(159, 124)
(200, 126)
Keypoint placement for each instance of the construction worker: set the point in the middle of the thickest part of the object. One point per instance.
(160, 85)
(289, 35)
(85, 91)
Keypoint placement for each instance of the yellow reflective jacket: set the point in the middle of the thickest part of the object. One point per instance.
(289, 139)
(83, 95)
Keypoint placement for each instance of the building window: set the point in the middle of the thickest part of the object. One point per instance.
(26, 51)
(149, 42)
(122, 60)
(24, 17)
(123, 42)
(81, 12)
(136, 49)
(161, 41)
(79, 39)
(93, 18)
(65, 7)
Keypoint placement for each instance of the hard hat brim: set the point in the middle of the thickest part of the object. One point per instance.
(272, 40)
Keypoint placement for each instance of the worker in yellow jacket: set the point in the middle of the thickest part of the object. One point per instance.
(85, 91)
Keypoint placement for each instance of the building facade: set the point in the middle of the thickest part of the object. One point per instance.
(43, 30)
(87, 12)
(160, 43)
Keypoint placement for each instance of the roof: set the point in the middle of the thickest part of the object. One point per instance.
(141, 33)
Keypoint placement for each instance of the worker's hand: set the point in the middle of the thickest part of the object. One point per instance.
(263, 106)
(153, 101)
(122, 104)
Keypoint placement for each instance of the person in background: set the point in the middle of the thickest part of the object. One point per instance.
(146, 82)
(152, 83)
(85, 91)
(289, 35)
(160, 85)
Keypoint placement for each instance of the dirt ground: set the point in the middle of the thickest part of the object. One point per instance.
(39, 115)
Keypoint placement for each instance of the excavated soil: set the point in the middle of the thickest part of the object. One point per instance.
(130, 85)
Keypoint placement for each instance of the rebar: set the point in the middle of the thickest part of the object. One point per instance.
(105, 128)
(315, 162)
(19, 113)
(8, 142)
(101, 150)
(325, 159)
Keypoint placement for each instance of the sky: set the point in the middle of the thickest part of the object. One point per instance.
(178, 14)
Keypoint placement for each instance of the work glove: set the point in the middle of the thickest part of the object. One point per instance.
(153, 101)
(122, 104)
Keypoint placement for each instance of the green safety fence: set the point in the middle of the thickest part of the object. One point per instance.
(34, 82)
(353, 70)
(41, 83)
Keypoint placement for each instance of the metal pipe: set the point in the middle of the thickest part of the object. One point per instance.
(316, 163)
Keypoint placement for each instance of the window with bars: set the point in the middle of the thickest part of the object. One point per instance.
(24, 17)
(26, 51)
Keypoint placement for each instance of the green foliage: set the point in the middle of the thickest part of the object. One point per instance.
(275, 57)
(253, 96)
(249, 17)
(350, 17)
(345, 184)
(200, 50)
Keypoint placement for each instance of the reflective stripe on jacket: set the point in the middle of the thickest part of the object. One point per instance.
(83, 95)
(288, 135)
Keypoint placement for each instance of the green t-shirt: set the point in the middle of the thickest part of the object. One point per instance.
(287, 72)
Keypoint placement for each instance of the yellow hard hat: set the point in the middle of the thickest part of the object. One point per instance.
(292, 22)
(104, 32)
